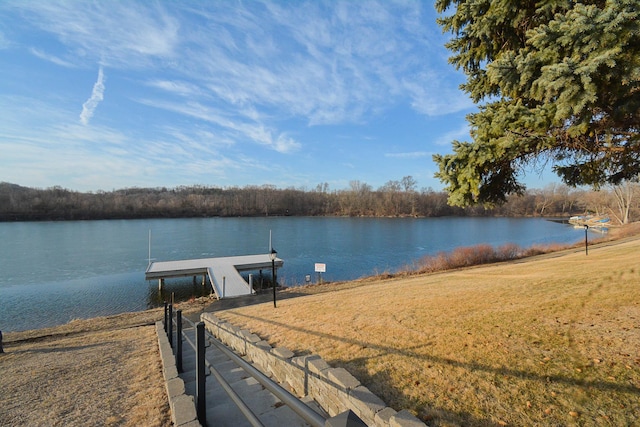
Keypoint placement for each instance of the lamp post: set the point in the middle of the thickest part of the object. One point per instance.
(586, 240)
(272, 256)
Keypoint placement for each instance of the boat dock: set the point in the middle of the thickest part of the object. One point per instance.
(223, 272)
(595, 221)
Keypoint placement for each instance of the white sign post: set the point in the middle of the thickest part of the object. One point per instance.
(320, 268)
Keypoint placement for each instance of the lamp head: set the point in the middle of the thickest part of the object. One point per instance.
(272, 254)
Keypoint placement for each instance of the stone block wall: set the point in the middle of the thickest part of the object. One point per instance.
(183, 408)
(335, 389)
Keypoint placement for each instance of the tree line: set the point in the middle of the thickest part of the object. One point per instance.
(398, 198)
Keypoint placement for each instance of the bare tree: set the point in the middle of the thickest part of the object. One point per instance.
(623, 195)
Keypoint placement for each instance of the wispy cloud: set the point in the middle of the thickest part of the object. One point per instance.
(336, 63)
(409, 155)
(328, 64)
(176, 87)
(51, 58)
(124, 34)
(242, 129)
(4, 43)
(97, 95)
(461, 133)
(285, 144)
(435, 94)
(98, 157)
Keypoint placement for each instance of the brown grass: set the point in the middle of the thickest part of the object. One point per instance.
(551, 340)
(102, 371)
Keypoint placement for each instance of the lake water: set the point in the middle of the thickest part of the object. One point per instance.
(53, 272)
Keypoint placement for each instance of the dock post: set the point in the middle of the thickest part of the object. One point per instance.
(251, 283)
(160, 284)
(201, 405)
(179, 341)
(194, 280)
(224, 285)
(204, 279)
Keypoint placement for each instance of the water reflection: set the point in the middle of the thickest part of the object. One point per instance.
(187, 288)
(181, 289)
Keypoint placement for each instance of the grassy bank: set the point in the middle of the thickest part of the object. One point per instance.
(550, 340)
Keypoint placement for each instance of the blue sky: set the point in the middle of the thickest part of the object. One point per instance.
(112, 94)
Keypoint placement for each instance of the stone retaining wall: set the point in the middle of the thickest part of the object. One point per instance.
(335, 389)
(183, 407)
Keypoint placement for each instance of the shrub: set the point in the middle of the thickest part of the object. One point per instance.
(467, 256)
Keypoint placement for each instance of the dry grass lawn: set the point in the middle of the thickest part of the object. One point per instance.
(103, 371)
(553, 340)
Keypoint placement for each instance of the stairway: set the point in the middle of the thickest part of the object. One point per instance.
(220, 408)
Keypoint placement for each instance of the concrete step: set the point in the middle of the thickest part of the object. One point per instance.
(221, 410)
(246, 387)
(282, 416)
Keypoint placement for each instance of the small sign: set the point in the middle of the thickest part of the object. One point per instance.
(321, 268)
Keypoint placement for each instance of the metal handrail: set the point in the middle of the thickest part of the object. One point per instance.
(193, 324)
(246, 411)
(295, 404)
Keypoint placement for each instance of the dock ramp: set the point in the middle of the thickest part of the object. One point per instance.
(227, 281)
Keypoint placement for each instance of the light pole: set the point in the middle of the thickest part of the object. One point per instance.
(586, 240)
(272, 256)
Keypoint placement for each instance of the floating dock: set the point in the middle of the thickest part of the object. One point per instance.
(223, 273)
(594, 221)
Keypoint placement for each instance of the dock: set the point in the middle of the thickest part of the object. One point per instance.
(223, 272)
(590, 221)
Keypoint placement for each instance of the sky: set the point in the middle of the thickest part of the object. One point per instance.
(114, 94)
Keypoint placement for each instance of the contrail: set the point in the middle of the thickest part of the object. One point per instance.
(96, 96)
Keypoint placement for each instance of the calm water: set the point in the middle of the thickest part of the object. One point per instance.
(53, 272)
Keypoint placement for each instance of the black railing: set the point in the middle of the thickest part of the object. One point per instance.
(201, 336)
(201, 389)
(179, 340)
(201, 365)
